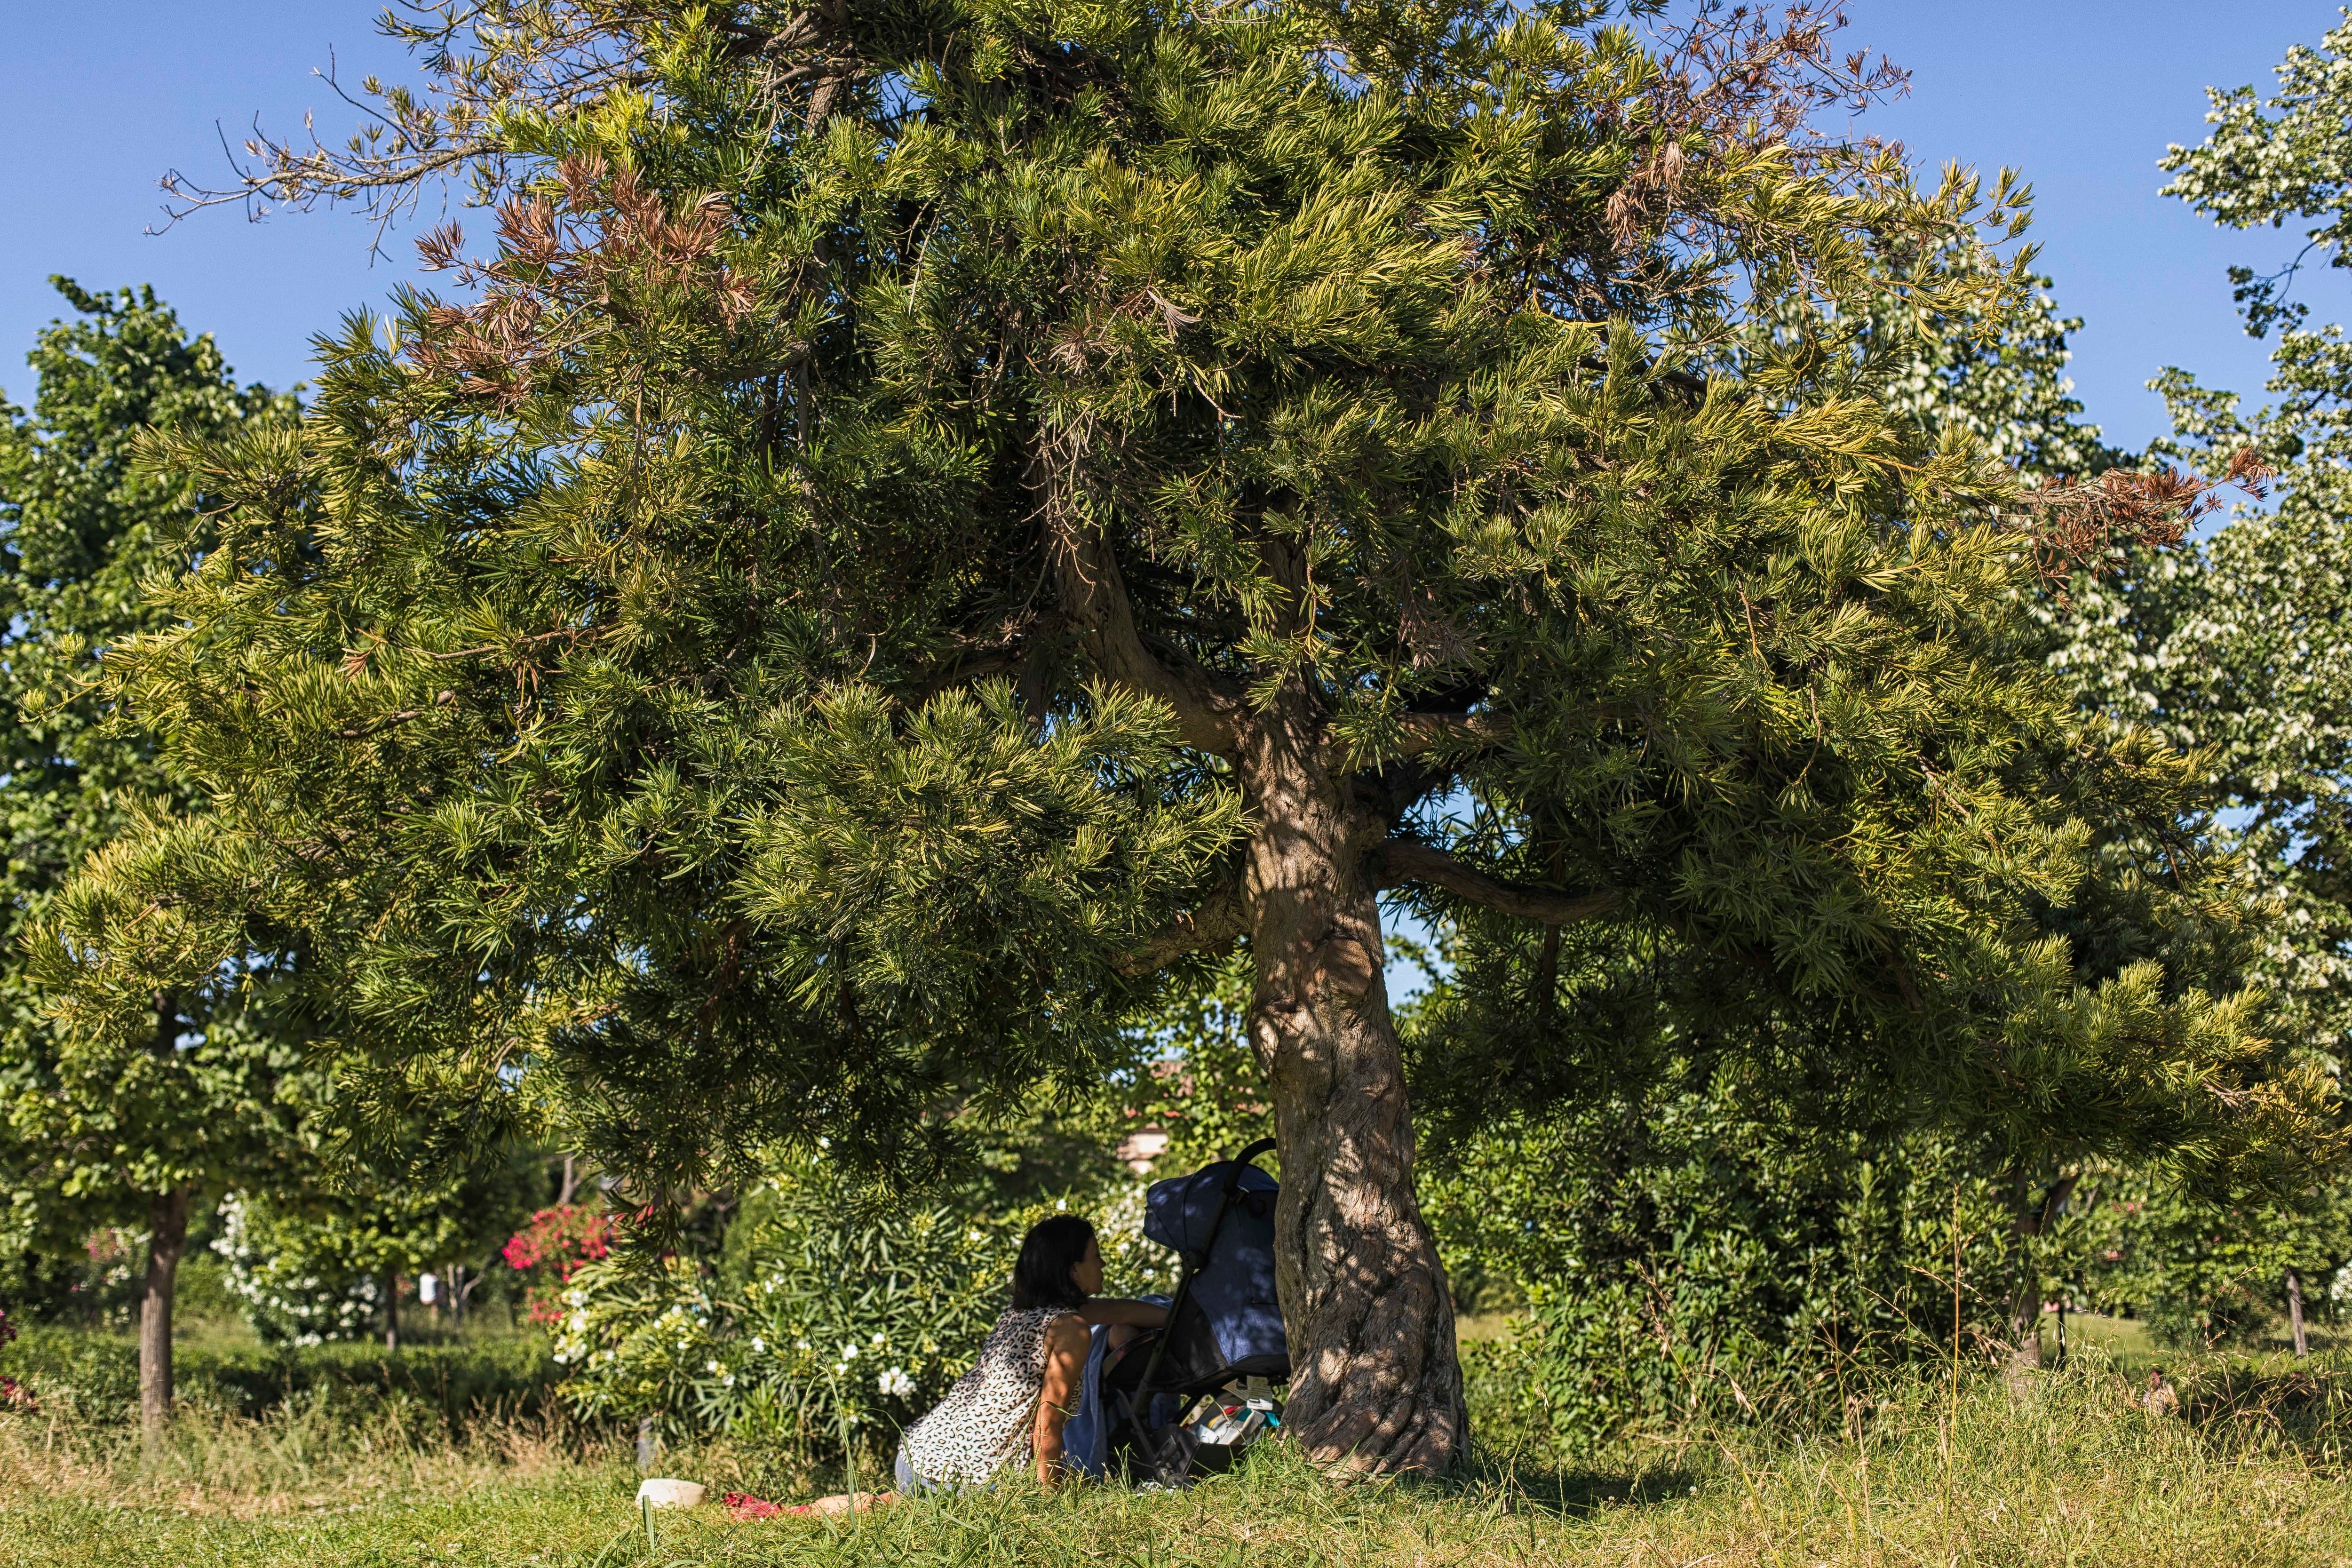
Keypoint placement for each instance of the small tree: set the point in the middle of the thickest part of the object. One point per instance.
(135, 1129)
(2239, 647)
(932, 519)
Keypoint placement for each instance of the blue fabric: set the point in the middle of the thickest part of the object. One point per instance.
(1086, 1434)
(1232, 1278)
(1181, 1211)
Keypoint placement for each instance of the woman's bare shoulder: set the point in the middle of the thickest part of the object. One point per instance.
(1066, 1334)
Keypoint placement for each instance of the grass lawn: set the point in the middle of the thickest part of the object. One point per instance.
(2064, 1469)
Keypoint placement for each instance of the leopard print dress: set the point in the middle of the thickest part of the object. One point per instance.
(983, 1422)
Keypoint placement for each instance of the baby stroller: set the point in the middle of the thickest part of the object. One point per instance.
(1182, 1401)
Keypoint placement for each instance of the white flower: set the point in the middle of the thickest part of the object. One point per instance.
(878, 1342)
(800, 1344)
(757, 1344)
(849, 1350)
(895, 1382)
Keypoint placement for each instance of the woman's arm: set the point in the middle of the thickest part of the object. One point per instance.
(1112, 1310)
(1066, 1363)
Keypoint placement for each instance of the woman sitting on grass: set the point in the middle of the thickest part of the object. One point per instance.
(1023, 1386)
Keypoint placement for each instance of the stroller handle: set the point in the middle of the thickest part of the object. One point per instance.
(1263, 1146)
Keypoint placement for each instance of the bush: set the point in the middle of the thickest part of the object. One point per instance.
(557, 1244)
(818, 1318)
(1676, 1259)
(89, 1376)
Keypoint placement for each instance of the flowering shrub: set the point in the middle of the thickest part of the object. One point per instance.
(817, 1320)
(555, 1246)
(294, 1278)
(632, 1339)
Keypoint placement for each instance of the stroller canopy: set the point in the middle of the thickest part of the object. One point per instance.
(1220, 1219)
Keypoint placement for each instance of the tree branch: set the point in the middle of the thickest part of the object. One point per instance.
(1427, 731)
(965, 671)
(1409, 860)
(1216, 925)
(1086, 579)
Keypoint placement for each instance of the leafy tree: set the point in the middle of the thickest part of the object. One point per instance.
(2202, 1273)
(934, 517)
(2240, 648)
(323, 1260)
(135, 1129)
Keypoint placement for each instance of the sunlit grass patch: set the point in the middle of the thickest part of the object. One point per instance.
(2061, 1468)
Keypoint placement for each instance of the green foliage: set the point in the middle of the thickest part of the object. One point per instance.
(620, 692)
(196, 1090)
(2267, 161)
(1680, 1256)
(1199, 1084)
(825, 1311)
(307, 1266)
(2234, 647)
(2201, 1274)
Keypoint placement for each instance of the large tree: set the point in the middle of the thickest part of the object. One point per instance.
(933, 515)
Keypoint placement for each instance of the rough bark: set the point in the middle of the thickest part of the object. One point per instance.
(1375, 1386)
(167, 1238)
(2294, 1312)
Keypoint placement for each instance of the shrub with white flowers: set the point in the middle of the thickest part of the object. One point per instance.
(295, 1286)
(637, 1341)
(817, 1319)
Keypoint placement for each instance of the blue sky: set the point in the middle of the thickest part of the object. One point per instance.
(2080, 94)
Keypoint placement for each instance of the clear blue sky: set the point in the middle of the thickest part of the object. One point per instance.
(2080, 94)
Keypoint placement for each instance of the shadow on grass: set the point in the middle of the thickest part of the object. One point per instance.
(1544, 1484)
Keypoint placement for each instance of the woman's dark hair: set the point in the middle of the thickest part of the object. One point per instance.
(1051, 1249)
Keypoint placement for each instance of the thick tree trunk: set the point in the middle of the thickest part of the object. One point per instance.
(1375, 1386)
(167, 1236)
(2294, 1312)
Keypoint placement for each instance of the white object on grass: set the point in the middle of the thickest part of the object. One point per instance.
(659, 1493)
